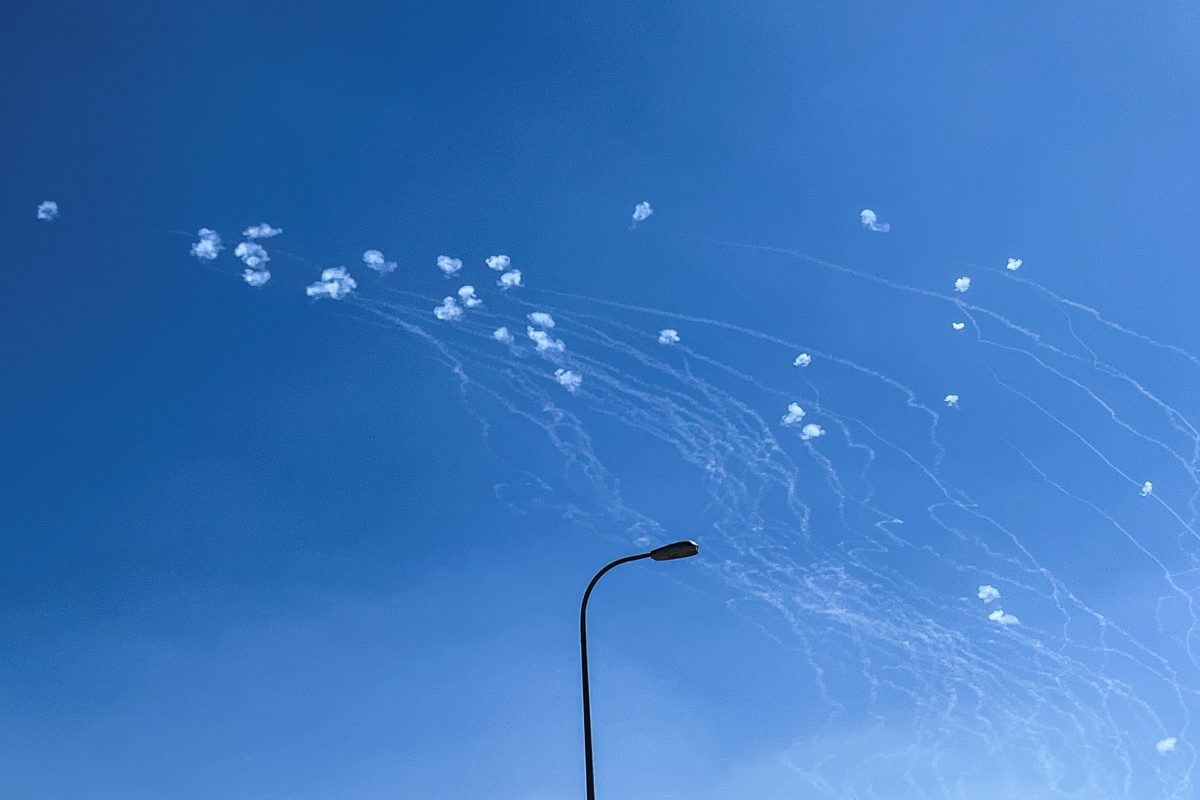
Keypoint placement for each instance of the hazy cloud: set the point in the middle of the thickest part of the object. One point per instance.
(502, 334)
(544, 341)
(252, 255)
(209, 245)
(999, 616)
(962, 284)
(1147, 488)
(466, 294)
(47, 210)
(449, 310)
(668, 336)
(375, 260)
(1167, 745)
(641, 213)
(871, 222)
(510, 279)
(449, 266)
(498, 263)
(811, 431)
(256, 277)
(1015, 263)
(261, 231)
(951, 400)
(958, 326)
(988, 593)
(794, 414)
(569, 380)
(541, 319)
(802, 360)
(335, 284)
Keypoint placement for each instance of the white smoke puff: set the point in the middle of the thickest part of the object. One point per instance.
(951, 400)
(1147, 488)
(449, 266)
(335, 284)
(958, 326)
(1166, 745)
(448, 311)
(802, 360)
(252, 255)
(261, 231)
(209, 245)
(466, 294)
(999, 616)
(1015, 263)
(962, 284)
(641, 212)
(502, 334)
(811, 431)
(544, 341)
(794, 414)
(668, 336)
(541, 319)
(571, 381)
(375, 260)
(510, 279)
(988, 593)
(256, 277)
(872, 223)
(47, 211)
(498, 263)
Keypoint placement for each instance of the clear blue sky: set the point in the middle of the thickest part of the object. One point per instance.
(258, 545)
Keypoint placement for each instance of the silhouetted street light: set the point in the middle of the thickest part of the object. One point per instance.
(668, 552)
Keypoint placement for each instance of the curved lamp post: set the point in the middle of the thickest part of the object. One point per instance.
(668, 552)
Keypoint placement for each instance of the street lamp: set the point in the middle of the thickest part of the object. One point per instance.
(668, 552)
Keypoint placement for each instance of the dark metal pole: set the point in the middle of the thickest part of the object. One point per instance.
(587, 700)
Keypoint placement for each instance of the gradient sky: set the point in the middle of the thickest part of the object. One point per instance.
(261, 546)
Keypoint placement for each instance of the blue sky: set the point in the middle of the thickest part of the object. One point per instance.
(259, 545)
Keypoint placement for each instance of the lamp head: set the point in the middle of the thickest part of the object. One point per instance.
(670, 552)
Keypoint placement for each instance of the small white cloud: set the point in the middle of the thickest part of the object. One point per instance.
(544, 341)
(261, 231)
(374, 260)
(999, 616)
(209, 245)
(1015, 263)
(811, 431)
(668, 336)
(498, 263)
(962, 284)
(794, 414)
(466, 294)
(988, 593)
(642, 212)
(571, 381)
(335, 284)
(1147, 488)
(958, 326)
(256, 277)
(252, 255)
(502, 334)
(951, 400)
(449, 310)
(802, 360)
(1167, 745)
(449, 266)
(47, 211)
(541, 319)
(871, 222)
(510, 279)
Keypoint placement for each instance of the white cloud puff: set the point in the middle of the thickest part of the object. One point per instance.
(668, 336)
(642, 212)
(1000, 617)
(466, 295)
(47, 211)
(256, 277)
(498, 263)
(374, 260)
(449, 310)
(1015, 264)
(988, 593)
(794, 414)
(1147, 488)
(449, 266)
(209, 245)
(871, 222)
(1166, 745)
(542, 319)
(802, 360)
(503, 335)
(958, 326)
(571, 381)
(335, 284)
(252, 255)
(951, 400)
(962, 284)
(811, 431)
(261, 231)
(510, 279)
(544, 341)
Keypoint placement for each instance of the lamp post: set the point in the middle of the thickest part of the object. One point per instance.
(668, 552)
